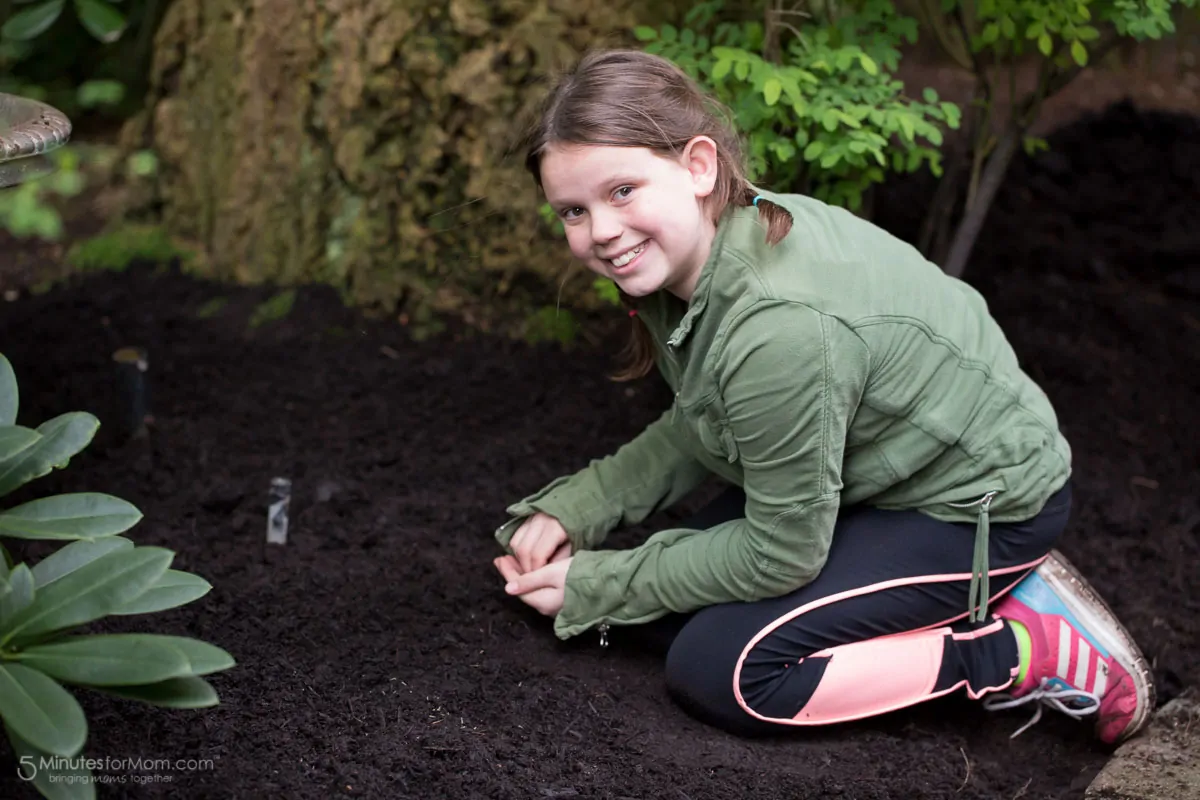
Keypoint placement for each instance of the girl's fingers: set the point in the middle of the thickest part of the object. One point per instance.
(546, 547)
(507, 565)
(531, 531)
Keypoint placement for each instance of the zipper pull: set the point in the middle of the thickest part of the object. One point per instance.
(603, 629)
(984, 502)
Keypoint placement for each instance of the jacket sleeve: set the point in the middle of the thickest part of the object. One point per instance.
(789, 381)
(649, 473)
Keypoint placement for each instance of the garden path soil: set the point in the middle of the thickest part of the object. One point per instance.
(378, 656)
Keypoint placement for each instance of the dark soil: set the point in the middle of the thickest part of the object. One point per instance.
(378, 655)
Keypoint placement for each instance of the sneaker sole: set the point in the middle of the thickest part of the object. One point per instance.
(1091, 610)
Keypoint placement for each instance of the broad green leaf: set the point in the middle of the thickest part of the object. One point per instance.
(100, 93)
(721, 68)
(62, 437)
(19, 593)
(1044, 44)
(101, 20)
(771, 91)
(175, 588)
(173, 693)
(930, 94)
(847, 120)
(120, 659)
(93, 591)
(40, 711)
(669, 33)
(69, 780)
(813, 150)
(906, 125)
(868, 64)
(830, 119)
(9, 396)
(741, 70)
(1008, 27)
(15, 439)
(32, 22)
(645, 33)
(203, 658)
(1079, 53)
(953, 114)
(67, 559)
(85, 515)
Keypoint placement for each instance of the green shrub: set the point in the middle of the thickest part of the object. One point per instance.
(815, 98)
(98, 574)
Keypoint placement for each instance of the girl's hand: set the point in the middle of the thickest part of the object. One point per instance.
(541, 589)
(539, 541)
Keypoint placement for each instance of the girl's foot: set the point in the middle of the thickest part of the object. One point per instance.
(1076, 656)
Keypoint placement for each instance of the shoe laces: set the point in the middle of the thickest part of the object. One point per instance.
(1055, 697)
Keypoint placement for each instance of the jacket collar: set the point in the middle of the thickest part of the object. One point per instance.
(704, 284)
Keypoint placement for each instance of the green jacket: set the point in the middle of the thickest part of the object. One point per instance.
(838, 367)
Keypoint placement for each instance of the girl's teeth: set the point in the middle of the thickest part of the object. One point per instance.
(630, 256)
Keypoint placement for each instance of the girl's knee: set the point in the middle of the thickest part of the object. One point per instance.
(700, 675)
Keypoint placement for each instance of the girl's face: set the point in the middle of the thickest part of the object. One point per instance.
(635, 216)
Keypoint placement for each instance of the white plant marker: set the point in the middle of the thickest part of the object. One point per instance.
(277, 511)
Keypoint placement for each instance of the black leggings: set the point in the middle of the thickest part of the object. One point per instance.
(816, 656)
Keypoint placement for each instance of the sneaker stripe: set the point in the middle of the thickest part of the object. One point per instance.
(1064, 650)
(1101, 679)
(1035, 593)
(1082, 663)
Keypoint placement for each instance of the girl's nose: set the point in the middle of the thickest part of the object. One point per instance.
(605, 227)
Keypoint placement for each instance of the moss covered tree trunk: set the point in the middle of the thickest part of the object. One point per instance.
(361, 143)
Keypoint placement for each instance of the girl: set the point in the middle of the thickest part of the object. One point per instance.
(897, 481)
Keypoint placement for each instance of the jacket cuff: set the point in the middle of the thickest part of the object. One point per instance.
(586, 520)
(580, 611)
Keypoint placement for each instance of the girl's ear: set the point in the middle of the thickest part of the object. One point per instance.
(700, 159)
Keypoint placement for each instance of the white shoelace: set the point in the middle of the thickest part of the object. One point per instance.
(1053, 697)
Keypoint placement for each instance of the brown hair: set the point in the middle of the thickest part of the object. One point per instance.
(628, 98)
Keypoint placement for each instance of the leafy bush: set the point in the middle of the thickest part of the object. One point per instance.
(98, 574)
(991, 39)
(815, 99)
(79, 56)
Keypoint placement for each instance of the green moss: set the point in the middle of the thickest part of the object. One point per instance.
(116, 249)
(278, 307)
(212, 308)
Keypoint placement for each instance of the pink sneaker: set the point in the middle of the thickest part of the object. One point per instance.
(1084, 662)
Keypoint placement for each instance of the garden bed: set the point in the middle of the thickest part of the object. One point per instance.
(377, 653)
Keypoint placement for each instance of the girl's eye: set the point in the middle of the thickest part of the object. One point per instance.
(568, 213)
(624, 192)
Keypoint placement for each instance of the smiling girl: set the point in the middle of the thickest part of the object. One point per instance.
(896, 481)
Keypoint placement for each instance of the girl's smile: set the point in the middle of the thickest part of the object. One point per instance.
(634, 215)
